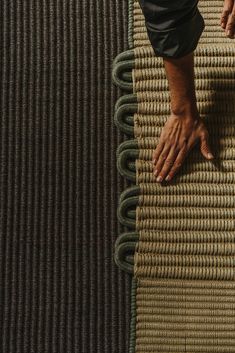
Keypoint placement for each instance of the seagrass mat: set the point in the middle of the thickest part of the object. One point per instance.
(184, 257)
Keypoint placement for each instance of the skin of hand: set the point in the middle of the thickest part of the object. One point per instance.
(179, 135)
(184, 127)
(227, 18)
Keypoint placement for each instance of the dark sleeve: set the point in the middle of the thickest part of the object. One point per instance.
(174, 27)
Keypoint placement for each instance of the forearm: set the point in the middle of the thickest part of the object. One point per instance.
(184, 126)
(174, 29)
(180, 75)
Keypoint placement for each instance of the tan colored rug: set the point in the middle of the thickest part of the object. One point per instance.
(184, 258)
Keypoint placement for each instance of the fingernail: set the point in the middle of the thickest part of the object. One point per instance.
(159, 178)
(155, 172)
(209, 155)
(167, 178)
(154, 160)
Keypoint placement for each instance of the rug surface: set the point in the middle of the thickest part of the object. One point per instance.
(180, 248)
(60, 291)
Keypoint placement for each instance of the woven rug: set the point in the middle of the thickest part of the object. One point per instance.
(59, 287)
(180, 245)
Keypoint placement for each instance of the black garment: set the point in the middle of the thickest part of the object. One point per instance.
(174, 27)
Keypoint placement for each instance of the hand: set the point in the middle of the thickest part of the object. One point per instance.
(227, 18)
(178, 136)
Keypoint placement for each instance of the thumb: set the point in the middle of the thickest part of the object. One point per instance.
(205, 147)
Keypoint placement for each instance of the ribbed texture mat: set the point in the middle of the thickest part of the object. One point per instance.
(185, 316)
(60, 291)
(184, 259)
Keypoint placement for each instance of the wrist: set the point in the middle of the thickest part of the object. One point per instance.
(185, 107)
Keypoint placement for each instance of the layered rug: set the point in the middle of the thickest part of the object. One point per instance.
(180, 246)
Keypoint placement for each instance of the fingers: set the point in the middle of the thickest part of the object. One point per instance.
(161, 160)
(181, 158)
(205, 146)
(158, 150)
(231, 24)
(171, 160)
(175, 160)
(177, 163)
(171, 152)
(227, 9)
(166, 165)
(227, 18)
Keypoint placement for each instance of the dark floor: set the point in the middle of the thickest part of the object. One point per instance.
(60, 290)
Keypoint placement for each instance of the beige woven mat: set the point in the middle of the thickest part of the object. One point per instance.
(184, 259)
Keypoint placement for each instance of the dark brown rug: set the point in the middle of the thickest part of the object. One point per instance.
(60, 290)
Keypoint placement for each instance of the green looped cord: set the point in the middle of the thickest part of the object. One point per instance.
(125, 195)
(126, 237)
(126, 55)
(124, 164)
(119, 118)
(119, 73)
(120, 256)
(126, 153)
(130, 191)
(127, 145)
(125, 99)
(123, 211)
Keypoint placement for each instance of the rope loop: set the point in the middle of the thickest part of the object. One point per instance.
(126, 211)
(123, 118)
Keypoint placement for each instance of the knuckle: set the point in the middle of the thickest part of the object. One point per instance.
(168, 162)
(163, 156)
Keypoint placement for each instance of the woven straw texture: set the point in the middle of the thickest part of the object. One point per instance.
(184, 259)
